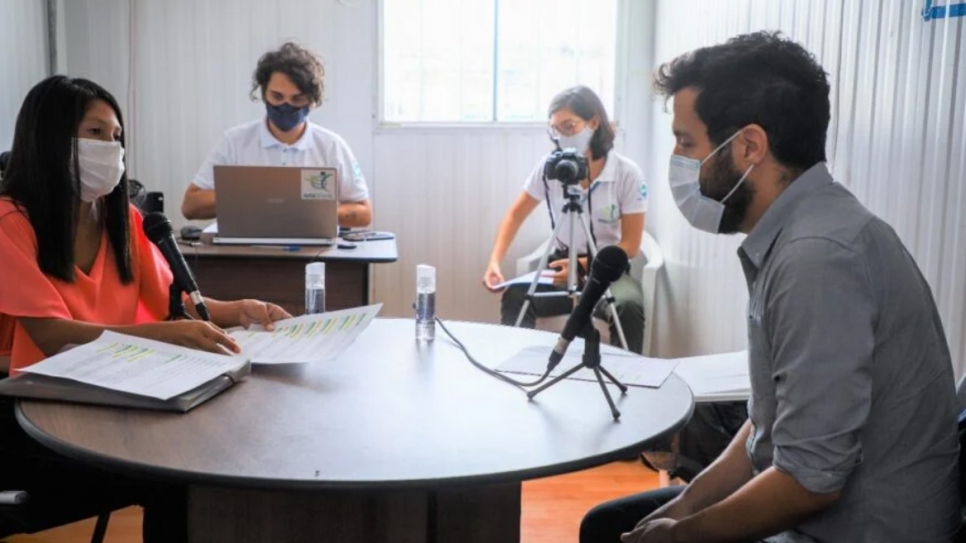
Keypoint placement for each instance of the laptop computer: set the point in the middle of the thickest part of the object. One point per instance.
(276, 205)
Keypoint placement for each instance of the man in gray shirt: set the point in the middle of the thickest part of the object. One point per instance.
(852, 430)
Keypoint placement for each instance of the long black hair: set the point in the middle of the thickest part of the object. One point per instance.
(42, 175)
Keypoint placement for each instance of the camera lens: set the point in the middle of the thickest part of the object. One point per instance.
(566, 171)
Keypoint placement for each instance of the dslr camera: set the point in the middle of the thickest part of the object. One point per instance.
(566, 165)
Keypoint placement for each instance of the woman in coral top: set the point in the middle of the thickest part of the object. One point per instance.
(76, 262)
(75, 258)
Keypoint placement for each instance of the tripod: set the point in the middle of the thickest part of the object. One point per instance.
(591, 360)
(572, 206)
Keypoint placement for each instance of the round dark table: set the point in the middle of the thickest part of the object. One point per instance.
(393, 441)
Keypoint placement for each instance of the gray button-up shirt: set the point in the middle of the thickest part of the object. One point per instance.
(852, 384)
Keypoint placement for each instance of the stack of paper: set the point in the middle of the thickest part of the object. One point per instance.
(137, 366)
(712, 378)
(129, 371)
(626, 367)
(717, 377)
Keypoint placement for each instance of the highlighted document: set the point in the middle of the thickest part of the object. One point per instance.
(137, 366)
(309, 338)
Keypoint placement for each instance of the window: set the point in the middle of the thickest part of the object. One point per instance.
(480, 61)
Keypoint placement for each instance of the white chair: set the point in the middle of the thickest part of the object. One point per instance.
(645, 267)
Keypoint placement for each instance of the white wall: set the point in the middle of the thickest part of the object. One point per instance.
(23, 58)
(896, 140)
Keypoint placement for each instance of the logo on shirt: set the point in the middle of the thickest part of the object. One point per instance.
(317, 185)
(643, 192)
(357, 172)
(609, 215)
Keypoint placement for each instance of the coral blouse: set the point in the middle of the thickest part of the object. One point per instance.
(97, 297)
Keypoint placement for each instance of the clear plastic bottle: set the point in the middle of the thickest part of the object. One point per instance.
(425, 302)
(314, 288)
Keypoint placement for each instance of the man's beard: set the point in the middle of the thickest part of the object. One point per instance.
(721, 179)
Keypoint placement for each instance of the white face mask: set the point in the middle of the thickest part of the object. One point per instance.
(579, 141)
(702, 212)
(101, 167)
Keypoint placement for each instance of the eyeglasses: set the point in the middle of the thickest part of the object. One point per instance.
(567, 128)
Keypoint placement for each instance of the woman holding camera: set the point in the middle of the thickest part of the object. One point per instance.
(613, 196)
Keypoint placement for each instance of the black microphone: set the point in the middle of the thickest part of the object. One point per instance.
(608, 266)
(159, 231)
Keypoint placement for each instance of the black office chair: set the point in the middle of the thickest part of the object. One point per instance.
(23, 518)
(30, 516)
(4, 158)
(961, 396)
(145, 201)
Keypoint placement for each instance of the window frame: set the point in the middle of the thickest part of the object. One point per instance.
(620, 83)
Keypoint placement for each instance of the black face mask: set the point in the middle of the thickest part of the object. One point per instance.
(286, 116)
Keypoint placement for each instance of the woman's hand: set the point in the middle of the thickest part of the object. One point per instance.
(244, 313)
(493, 277)
(563, 268)
(193, 334)
(257, 312)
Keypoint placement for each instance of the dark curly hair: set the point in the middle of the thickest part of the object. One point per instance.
(302, 66)
(586, 104)
(760, 78)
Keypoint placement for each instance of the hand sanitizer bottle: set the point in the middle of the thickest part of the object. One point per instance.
(425, 303)
(315, 288)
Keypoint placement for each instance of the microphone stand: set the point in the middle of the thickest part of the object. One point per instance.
(176, 309)
(591, 360)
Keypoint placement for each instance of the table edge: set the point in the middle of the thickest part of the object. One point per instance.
(191, 477)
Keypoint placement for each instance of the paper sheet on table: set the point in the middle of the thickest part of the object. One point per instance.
(526, 279)
(136, 365)
(717, 377)
(309, 338)
(628, 368)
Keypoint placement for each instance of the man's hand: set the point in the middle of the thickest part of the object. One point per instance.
(651, 531)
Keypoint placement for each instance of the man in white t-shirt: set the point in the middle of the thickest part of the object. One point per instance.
(289, 81)
(613, 195)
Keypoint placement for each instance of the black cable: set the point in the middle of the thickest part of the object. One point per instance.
(590, 218)
(546, 192)
(498, 375)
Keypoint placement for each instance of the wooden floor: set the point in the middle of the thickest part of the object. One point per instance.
(552, 507)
